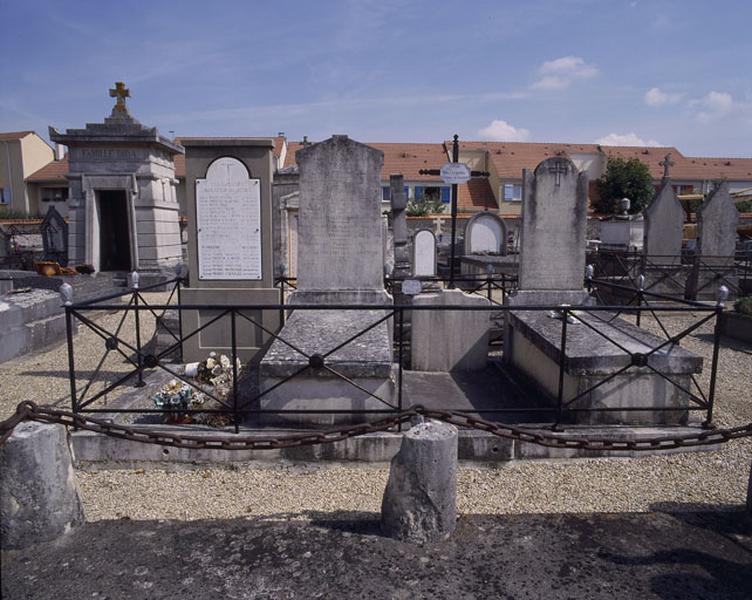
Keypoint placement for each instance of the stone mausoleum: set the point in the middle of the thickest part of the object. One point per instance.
(122, 192)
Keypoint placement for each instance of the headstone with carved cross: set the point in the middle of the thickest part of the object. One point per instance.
(554, 218)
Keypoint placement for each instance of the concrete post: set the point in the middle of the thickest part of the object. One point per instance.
(39, 499)
(420, 500)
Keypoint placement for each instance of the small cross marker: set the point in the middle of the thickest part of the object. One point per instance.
(121, 93)
(666, 163)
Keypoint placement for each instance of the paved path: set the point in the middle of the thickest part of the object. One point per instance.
(627, 555)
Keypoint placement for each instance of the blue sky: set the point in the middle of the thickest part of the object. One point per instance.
(669, 72)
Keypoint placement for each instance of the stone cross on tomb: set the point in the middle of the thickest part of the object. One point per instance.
(666, 163)
(558, 169)
(121, 93)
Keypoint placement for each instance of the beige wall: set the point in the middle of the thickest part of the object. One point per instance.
(19, 159)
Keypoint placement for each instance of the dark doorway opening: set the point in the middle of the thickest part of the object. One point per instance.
(114, 236)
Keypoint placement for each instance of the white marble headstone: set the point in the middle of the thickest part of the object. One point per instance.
(228, 222)
(485, 235)
(424, 254)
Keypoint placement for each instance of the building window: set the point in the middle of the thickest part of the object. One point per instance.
(512, 192)
(59, 194)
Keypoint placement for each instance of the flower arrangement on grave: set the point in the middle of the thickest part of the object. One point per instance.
(213, 377)
(174, 397)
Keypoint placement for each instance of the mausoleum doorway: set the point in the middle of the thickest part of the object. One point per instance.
(114, 233)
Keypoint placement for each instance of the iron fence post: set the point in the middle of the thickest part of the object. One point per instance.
(236, 417)
(722, 295)
(140, 382)
(71, 361)
(400, 325)
(562, 365)
(282, 300)
(640, 293)
(180, 317)
(488, 283)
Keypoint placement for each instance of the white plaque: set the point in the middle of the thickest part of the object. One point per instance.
(228, 222)
(455, 173)
(412, 287)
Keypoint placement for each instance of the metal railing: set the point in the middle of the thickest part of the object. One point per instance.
(554, 409)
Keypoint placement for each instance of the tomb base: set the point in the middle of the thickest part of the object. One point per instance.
(305, 369)
(636, 396)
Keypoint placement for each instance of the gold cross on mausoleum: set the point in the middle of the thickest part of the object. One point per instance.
(121, 93)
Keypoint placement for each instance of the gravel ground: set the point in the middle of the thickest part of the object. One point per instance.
(698, 480)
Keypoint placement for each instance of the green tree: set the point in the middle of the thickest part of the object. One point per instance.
(624, 179)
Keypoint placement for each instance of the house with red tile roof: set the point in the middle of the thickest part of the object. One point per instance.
(505, 161)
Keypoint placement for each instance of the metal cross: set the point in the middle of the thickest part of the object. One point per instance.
(121, 93)
(666, 163)
(558, 169)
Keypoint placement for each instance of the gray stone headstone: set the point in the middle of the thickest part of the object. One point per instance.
(554, 222)
(54, 232)
(420, 500)
(339, 239)
(717, 221)
(450, 340)
(664, 227)
(485, 233)
(424, 253)
(38, 495)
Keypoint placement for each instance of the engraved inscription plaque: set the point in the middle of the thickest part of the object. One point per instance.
(228, 222)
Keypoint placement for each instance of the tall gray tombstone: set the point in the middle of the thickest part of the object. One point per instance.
(339, 238)
(717, 220)
(553, 231)
(340, 252)
(664, 227)
(228, 195)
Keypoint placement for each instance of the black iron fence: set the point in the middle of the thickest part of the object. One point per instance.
(690, 275)
(126, 323)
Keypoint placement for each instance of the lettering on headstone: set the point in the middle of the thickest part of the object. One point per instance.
(228, 222)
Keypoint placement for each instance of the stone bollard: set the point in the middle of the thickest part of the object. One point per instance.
(39, 499)
(420, 500)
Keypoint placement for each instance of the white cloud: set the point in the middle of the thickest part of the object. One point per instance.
(560, 73)
(657, 97)
(715, 105)
(625, 139)
(501, 131)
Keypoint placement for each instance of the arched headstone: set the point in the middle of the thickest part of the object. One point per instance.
(424, 253)
(664, 227)
(54, 232)
(717, 220)
(485, 233)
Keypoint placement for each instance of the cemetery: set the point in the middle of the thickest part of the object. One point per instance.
(501, 342)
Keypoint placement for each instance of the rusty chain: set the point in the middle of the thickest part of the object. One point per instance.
(29, 411)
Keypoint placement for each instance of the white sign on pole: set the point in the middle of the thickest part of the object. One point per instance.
(455, 173)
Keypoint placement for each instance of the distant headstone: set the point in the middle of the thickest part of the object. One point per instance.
(664, 227)
(398, 199)
(717, 220)
(554, 220)
(485, 233)
(54, 232)
(424, 253)
(412, 287)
